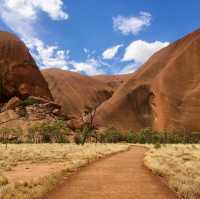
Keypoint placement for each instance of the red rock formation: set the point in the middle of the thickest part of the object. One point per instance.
(76, 93)
(164, 93)
(113, 81)
(19, 74)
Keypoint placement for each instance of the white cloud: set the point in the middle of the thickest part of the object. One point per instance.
(130, 68)
(139, 51)
(48, 56)
(132, 25)
(89, 67)
(25, 25)
(22, 17)
(111, 52)
(29, 8)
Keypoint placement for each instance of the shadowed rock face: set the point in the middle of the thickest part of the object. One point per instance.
(19, 74)
(164, 93)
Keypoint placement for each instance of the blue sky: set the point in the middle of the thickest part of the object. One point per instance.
(98, 36)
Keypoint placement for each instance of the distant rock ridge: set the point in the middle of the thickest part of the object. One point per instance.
(78, 93)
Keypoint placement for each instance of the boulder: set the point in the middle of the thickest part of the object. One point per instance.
(56, 112)
(74, 124)
(11, 104)
(8, 115)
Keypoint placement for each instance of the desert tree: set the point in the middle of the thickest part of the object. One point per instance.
(88, 128)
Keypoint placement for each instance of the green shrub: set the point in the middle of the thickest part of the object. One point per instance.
(194, 138)
(157, 146)
(28, 101)
(54, 132)
(132, 137)
(112, 135)
(157, 138)
(147, 135)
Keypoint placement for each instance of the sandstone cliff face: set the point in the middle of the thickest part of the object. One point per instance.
(113, 81)
(76, 93)
(19, 74)
(163, 94)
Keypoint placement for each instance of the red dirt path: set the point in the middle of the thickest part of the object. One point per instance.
(121, 176)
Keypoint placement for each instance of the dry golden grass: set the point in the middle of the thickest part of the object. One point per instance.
(70, 156)
(180, 166)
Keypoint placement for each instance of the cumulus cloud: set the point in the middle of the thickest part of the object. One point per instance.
(111, 52)
(139, 51)
(22, 17)
(130, 68)
(48, 56)
(89, 67)
(132, 25)
(29, 9)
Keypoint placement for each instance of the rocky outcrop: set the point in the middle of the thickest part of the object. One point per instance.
(19, 74)
(25, 98)
(23, 115)
(11, 104)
